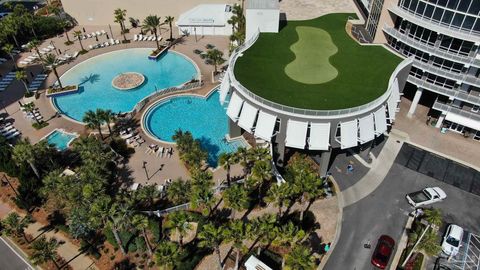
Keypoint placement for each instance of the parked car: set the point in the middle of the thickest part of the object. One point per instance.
(426, 196)
(452, 240)
(383, 251)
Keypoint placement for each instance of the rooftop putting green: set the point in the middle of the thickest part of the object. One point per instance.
(299, 66)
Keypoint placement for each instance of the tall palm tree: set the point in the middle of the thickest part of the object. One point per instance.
(15, 225)
(8, 48)
(300, 258)
(107, 116)
(51, 62)
(169, 20)
(151, 23)
(166, 254)
(93, 121)
(212, 236)
(21, 75)
(33, 45)
(433, 216)
(236, 232)
(288, 235)
(309, 187)
(261, 173)
(44, 250)
(242, 156)
(140, 222)
(120, 217)
(119, 17)
(65, 25)
(179, 191)
(216, 58)
(23, 151)
(227, 160)
(235, 198)
(263, 228)
(180, 222)
(79, 35)
(30, 107)
(279, 195)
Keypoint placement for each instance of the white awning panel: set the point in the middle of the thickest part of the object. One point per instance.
(296, 134)
(234, 106)
(396, 91)
(462, 120)
(265, 126)
(380, 121)
(366, 129)
(349, 134)
(247, 117)
(319, 136)
(224, 87)
(392, 108)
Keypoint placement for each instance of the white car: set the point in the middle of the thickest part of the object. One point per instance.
(426, 196)
(452, 240)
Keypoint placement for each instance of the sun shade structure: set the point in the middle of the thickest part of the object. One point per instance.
(234, 107)
(380, 121)
(348, 134)
(319, 136)
(247, 117)
(462, 120)
(366, 129)
(206, 19)
(224, 88)
(296, 134)
(393, 101)
(265, 126)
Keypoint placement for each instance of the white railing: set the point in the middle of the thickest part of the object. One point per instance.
(299, 111)
(440, 106)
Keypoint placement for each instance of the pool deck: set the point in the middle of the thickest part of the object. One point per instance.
(170, 167)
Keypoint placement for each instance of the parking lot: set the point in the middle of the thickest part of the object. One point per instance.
(385, 210)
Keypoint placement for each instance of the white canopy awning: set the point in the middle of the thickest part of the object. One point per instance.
(296, 134)
(348, 134)
(396, 91)
(265, 126)
(234, 106)
(205, 15)
(462, 120)
(380, 121)
(392, 108)
(224, 87)
(247, 117)
(319, 136)
(366, 129)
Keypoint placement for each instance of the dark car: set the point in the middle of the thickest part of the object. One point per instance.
(383, 251)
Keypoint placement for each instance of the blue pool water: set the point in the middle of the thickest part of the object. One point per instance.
(95, 76)
(206, 119)
(60, 139)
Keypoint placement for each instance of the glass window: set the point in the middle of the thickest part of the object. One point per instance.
(477, 25)
(421, 8)
(429, 11)
(458, 19)
(447, 17)
(437, 14)
(442, 3)
(474, 8)
(468, 22)
(452, 4)
(464, 4)
(413, 5)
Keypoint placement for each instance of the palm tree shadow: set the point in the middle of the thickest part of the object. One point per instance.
(92, 78)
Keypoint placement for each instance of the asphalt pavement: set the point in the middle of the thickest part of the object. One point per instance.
(10, 260)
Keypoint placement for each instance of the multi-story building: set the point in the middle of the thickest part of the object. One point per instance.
(443, 38)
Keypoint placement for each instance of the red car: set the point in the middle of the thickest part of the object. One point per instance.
(383, 251)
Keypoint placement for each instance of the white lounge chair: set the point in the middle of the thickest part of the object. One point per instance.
(145, 38)
(106, 44)
(135, 37)
(89, 35)
(90, 47)
(117, 41)
(51, 47)
(98, 33)
(159, 38)
(112, 41)
(103, 32)
(13, 135)
(24, 63)
(93, 34)
(13, 130)
(75, 54)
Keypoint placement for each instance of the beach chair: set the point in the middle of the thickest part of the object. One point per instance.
(152, 38)
(98, 33)
(135, 37)
(10, 131)
(159, 38)
(106, 44)
(117, 41)
(75, 54)
(112, 41)
(89, 36)
(51, 47)
(103, 32)
(24, 63)
(16, 51)
(93, 34)
(90, 47)
(13, 135)
(145, 38)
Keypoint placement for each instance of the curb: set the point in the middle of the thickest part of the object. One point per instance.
(338, 229)
(18, 251)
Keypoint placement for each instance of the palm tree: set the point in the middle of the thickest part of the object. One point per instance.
(92, 121)
(433, 216)
(287, 236)
(20, 75)
(134, 22)
(261, 173)
(180, 222)
(263, 229)
(79, 35)
(212, 236)
(33, 45)
(23, 151)
(151, 23)
(236, 232)
(141, 223)
(429, 243)
(179, 191)
(14, 225)
(236, 198)
(44, 250)
(30, 108)
(107, 116)
(8, 48)
(309, 187)
(51, 62)
(166, 254)
(120, 217)
(242, 156)
(216, 58)
(279, 195)
(120, 15)
(300, 258)
(169, 20)
(227, 160)
(65, 25)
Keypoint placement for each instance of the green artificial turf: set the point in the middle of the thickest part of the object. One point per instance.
(363, 71)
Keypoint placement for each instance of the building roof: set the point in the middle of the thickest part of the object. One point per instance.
(262, 4)
(206, 15)
(254, 263)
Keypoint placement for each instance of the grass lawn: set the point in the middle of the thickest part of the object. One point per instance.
(301, 67)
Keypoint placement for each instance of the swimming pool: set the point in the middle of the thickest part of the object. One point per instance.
(95, 76)
(206, 119)
(60, 139)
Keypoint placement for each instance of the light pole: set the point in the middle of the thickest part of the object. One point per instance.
(144, 166)
(111, 33)
(195, 31)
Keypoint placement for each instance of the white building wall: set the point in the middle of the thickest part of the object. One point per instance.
(206, 30)
(267, 20)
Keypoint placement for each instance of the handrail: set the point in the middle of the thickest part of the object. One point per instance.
(449, 108)
(299, 111)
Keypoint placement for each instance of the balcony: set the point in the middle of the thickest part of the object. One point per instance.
(440, 106)
(430, 48)
(451, 93)
(459, 77)
(448, 30)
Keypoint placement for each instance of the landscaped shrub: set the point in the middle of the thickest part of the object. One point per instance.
(140, 244)
(154, 227)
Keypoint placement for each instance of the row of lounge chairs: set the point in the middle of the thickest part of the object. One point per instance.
(37, 82)
(7, 130)
(146, 38)
(94, 34)
(104, 44)
(61, 59)
(3, 60)
(7, 80)
(159, 151)
(35, 115)
(132, 137)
